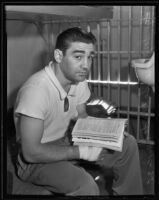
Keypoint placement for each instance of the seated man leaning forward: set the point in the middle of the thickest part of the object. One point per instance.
(44, 107)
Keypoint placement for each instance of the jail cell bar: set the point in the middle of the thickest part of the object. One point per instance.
(118, 83)
(100, 81)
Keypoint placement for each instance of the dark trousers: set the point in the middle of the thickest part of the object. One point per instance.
(68, 178)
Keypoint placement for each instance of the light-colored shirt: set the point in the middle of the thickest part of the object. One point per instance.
(42, 97)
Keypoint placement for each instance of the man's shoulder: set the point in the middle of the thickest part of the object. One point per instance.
(37, 79)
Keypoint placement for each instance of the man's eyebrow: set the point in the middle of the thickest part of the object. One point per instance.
(78, 51)
(81, 51)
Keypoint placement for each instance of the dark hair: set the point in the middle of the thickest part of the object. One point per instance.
(74, 34)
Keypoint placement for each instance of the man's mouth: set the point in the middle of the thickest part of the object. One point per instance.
(83, 73)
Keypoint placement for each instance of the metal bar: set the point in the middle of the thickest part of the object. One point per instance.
(149, 97)
(139, 86)
(141, 31)
(83, 20)
(112, 82)
(149, 117)
(90, 74)
(93, 63)
(72, 20)
(152, 29)
(102, 65)
(123, 52)
(108, 57)
(148, 22)
(93, 67)
(98, 58)
(94, 72)
(119, 58)
(138, 113)
(52, 39)
(146, 142)
(143, 114)
(91, 71)
(129, 58)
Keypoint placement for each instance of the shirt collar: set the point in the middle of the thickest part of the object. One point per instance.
(50, 72)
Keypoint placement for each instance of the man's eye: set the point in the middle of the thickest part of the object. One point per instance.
(78, 57)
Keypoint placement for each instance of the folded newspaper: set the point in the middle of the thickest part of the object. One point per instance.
(103, 132)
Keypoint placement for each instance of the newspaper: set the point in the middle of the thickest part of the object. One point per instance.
(103, 132)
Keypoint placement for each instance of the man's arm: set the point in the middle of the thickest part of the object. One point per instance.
(81, 109)
(31, 130)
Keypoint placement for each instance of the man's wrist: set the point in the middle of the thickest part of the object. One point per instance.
(75, 152)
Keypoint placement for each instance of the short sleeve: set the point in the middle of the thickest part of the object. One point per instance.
(32, 101)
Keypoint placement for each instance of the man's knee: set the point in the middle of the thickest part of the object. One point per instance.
(88, 187)
(131, 143)
(91, 188)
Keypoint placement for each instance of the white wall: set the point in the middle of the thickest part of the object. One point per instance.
(26, 54)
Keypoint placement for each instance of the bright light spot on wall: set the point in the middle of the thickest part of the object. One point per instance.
(113, 82)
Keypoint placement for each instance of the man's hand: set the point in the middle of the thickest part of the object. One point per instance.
(126, 133)
(89, 153)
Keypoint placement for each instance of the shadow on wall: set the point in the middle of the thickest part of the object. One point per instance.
(11, 98)
(41, 59)
(17, 29)
(29, 56)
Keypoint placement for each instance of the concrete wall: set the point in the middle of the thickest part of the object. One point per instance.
(26, 53)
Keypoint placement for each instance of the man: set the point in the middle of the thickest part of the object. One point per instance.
(44, 107)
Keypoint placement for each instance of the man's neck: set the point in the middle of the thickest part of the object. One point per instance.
(59, 75)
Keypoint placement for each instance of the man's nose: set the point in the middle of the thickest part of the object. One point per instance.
(86, 64)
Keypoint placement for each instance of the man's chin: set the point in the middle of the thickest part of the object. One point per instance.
(82, 78)
(79, 79)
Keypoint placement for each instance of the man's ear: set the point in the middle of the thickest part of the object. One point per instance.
(58, 55)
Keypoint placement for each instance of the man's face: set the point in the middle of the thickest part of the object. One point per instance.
(77, 61)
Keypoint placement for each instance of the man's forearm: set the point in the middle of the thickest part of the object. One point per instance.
(48, 152)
